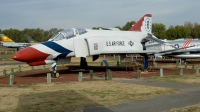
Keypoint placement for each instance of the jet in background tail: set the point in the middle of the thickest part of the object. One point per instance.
(5, 38)
(30, 39)
(9, 43)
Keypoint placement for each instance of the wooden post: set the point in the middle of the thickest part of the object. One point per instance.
(186, 66)
(12, 71)
(91, 74)
(106, 74)
(43, 66)
(154, 64)
(177, 63)
(181, 71)
(119, 58)
(161, 72)
(118, 63)
(101, 63)
(48, 77)
(4, 73)
(109, 74)
(11, 76)
(139, 73)
(11, 79)
(197, 70)
(80, 76)
(193, 66)
(19, 68)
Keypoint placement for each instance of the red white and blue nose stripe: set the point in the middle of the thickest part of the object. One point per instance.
(37, 54)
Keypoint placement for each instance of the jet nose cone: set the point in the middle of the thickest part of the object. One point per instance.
(15, 57)
(29, 54)
(22, 55)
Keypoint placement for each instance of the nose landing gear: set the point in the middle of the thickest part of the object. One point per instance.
(54, 73)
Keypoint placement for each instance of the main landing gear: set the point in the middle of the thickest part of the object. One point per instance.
(83, 63)
(54, 73)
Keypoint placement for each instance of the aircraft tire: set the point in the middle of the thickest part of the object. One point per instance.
(57, 74)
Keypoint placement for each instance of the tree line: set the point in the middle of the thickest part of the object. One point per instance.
(37, 34)
(188, 30)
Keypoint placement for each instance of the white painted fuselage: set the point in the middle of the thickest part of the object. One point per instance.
(87, 43)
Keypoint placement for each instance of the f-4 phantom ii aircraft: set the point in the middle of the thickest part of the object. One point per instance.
(180, 48)
(81, 42)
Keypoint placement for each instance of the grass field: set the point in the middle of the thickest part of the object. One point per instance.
(189, 79)
(194, 108)
(72, 96)
(77, 95)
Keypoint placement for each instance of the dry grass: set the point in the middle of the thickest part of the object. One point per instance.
(24, 67)
(189, 79)
(73, 96)
(194, 108)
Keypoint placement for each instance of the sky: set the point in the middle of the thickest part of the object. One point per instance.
(64, 14)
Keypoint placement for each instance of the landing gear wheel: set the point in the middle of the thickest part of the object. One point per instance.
(55, 75)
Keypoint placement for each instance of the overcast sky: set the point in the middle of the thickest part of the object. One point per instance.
(47, 14)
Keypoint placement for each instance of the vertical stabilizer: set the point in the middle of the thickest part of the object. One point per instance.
(144, 24)
(30, 39)
(6, 39)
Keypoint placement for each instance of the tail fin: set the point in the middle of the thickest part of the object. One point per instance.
(6, 39)
(144, 24)
(30, 40)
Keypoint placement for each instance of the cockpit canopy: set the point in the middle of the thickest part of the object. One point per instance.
(67, 34)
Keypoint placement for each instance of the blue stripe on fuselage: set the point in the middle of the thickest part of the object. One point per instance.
(58, 48)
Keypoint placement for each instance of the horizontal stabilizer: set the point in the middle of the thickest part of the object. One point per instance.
(150, 37)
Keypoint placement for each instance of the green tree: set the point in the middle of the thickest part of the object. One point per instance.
(189, 27)
(181, 32)
(196, 31)
(159, 30)
(128, 25)
(176, 32)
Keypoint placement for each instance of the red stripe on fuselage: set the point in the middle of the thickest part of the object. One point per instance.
(187, 43)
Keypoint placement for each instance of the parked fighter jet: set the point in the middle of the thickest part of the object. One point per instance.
(7, 42)
(81, 42)
(180, 48)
